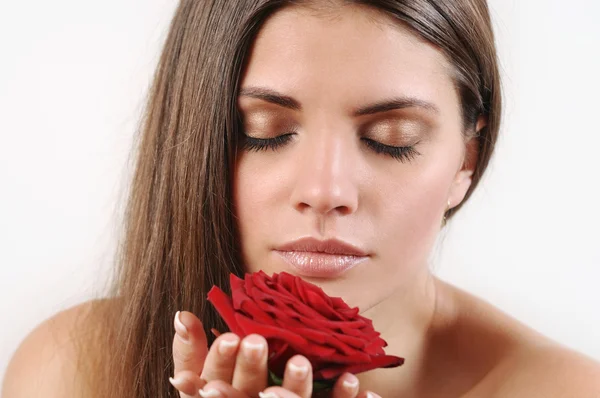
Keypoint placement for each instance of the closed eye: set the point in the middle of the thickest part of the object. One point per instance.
(403, 154)
(262, 144)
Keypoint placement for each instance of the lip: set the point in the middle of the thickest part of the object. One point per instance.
(321, 258)
(329, 246)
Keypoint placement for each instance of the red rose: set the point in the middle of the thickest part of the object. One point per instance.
(297, 317)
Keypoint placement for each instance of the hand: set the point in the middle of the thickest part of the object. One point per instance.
(235, 369)
(190, 348)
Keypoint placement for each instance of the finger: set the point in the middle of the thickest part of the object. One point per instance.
(220, 389)
(250, 374)
(368, 394)
(220, 361)
(298, 376)
(346, 386)
(187, 383)
(277, 392)
(189, 344)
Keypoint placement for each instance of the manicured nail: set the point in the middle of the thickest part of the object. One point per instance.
(212, 393)
(253, 351)
(181, 330)
(350, 383)
(372, 395)
(176, 382)
(268, 395)
(298, 372)
(228, 347)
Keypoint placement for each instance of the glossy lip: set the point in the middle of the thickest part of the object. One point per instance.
(329, 246)
(321, 258)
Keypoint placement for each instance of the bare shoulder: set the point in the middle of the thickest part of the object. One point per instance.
(550, 371)
(45, 363)
(523, 362)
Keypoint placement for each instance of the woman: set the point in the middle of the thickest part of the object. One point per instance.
(276, 130)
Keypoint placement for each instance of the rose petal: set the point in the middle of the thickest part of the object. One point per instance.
(287, 281)
(307, 311)
(300, 291)
(309, 287)
(235, 282)
(360, 329)
(340, 305)
(237, 296)
(349, 314)
(375, 347)
(251, 309)
(298, 306)
(297, 342)
(261, 284)
(242, 302)
(352, 341)
(248, 284)
(269, 332)
(224, 307)
(326, 339)
(358, 357)
(279, 359)
(381, 361)
(329, 373)
(320, 304)
(353, 328)
(279, 288)
(276, 348)
(280, 316)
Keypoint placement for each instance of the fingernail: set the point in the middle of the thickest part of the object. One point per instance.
(372, 395)
(268, 395)
(227, 347)
(350, 383)
(212, 393)
(176, 382)
(180, 328)
(298, 371)
(252, 351)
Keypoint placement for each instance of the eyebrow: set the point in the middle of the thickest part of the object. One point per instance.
(286, 101)
(271, 96)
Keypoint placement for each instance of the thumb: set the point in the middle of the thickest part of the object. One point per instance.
(190, 345)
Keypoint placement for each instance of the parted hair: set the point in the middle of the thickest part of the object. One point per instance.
(178, 235)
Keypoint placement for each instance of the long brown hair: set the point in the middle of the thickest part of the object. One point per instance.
(179, 235)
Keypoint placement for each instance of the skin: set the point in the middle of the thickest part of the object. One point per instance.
(328, 183)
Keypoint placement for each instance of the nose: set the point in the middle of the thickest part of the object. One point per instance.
(325, 179)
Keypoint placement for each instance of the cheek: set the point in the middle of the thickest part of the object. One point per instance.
(256, 187)
(410, 210)
(255, 192)
(411, 222)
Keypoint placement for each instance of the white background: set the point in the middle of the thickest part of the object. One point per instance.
(73, 76)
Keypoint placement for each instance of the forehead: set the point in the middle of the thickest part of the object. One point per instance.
(352, 54)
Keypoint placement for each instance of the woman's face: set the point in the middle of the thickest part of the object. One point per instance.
(317, 81)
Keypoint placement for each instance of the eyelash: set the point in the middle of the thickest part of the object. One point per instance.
(261, 144)
(402, 154)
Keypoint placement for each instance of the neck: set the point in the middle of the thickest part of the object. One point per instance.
(405, 319)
